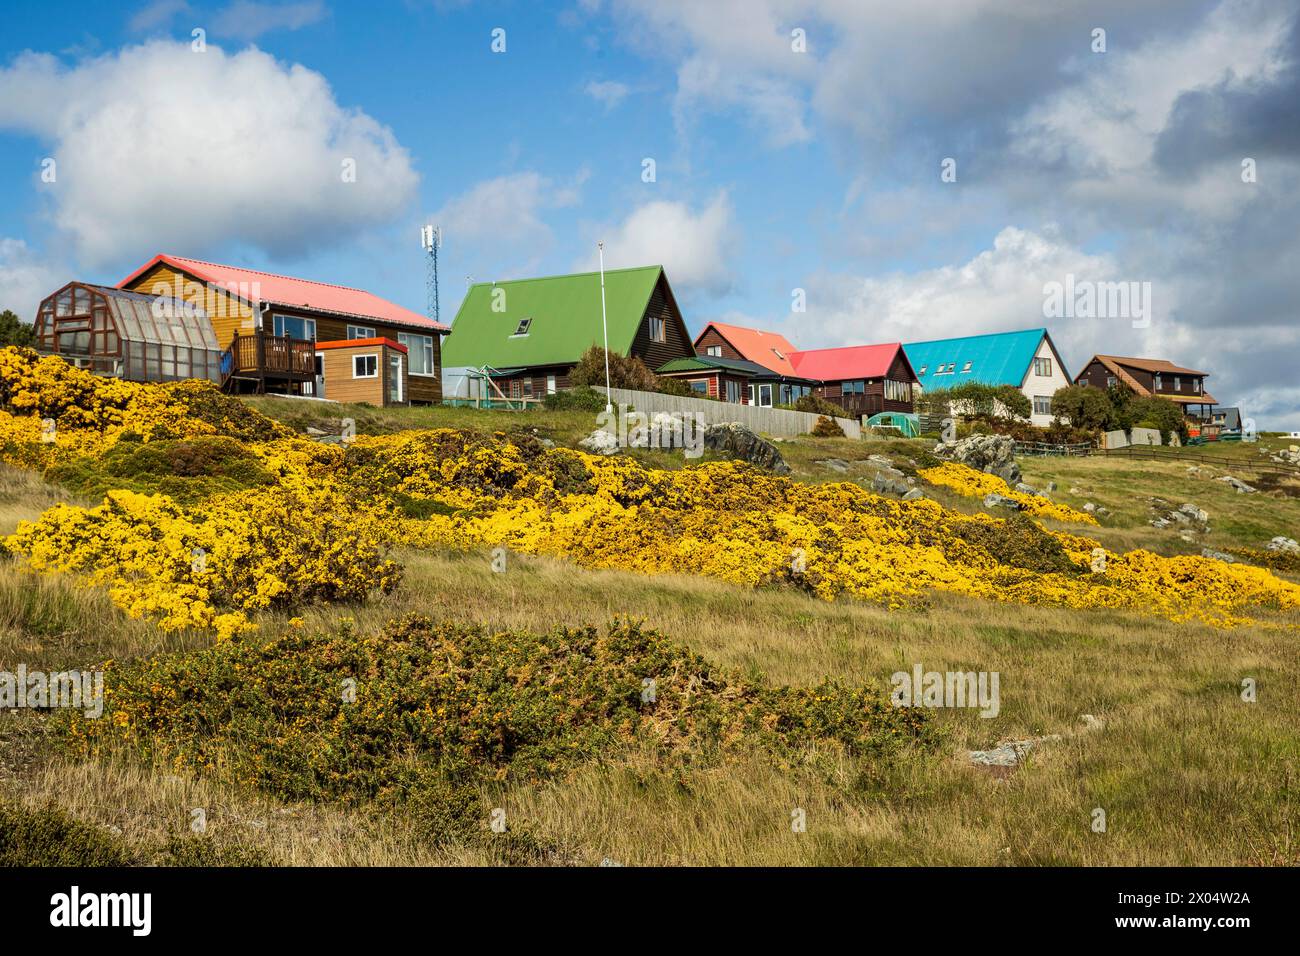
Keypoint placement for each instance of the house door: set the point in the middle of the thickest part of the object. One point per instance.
(320, 377)
(395, 378)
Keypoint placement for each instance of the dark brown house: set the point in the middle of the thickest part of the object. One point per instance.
(1150, 377)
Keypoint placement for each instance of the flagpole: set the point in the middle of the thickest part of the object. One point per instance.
(609, 402)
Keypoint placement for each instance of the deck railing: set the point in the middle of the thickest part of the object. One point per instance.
(261, 354)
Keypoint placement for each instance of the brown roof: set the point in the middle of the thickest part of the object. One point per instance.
(1150, 365)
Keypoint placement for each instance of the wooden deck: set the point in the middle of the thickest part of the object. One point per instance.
(257, 359)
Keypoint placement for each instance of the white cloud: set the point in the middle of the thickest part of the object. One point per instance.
(695, 247)
(247, 20)
(160, 148)
(608, 92)
(500, 222)
(25, 279)
(158, 14)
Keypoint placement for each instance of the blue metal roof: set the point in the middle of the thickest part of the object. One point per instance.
(1000, 358)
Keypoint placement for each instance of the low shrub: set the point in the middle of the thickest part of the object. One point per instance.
(582, 398)
(50, 837)
(827, 428)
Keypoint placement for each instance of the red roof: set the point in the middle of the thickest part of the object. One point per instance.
(768, 349)
(853, 362)
(285, 290)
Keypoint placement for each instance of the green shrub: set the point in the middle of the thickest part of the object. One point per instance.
(185, 469)
(816, 405)
(624, 371)
(49, 837)
(675, 386)
(827, 428)
(583, 398)
(435, 705)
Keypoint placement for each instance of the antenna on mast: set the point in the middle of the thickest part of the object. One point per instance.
(430, 240)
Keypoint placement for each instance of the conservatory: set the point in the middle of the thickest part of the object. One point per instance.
(142, 338)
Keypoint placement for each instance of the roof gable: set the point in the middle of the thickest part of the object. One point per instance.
(564, 316)
(999, 358)
(769, 349)
(287, 291)
(852, 362)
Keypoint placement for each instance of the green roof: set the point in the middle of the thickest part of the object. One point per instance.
(564, 313)
(703, 363)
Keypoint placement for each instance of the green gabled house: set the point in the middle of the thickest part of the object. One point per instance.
(523, 337)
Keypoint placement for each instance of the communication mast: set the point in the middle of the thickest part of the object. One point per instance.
(430, 240)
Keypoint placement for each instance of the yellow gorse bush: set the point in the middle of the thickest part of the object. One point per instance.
(320, 532)
(976, 484)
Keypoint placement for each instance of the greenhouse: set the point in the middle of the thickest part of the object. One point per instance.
(142, 338)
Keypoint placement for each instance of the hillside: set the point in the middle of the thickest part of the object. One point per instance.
(519, 682)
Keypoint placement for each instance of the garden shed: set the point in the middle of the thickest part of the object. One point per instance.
(143, 338)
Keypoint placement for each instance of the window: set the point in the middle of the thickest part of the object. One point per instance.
(365, 366)
(898, 391)
(360, 332)
(1111, 381)
(700, 385)
(419, 353)
(522, 327)
(656, 328)
(1042, 367)
(966, 367)
(294, 326)
(1042, 404)
(528, 387)
(714, 350)
(550, 385)
(853, 388)
(1159, 384)
(751, 394)
(765, 396)
(733, 391)
(1178, 383)
(395, 392)
(777, 353)
(1196, 386)
(921, 371)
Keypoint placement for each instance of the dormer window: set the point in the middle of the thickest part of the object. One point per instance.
(522, 327)
(777, 353)
(966, 367)
(922, 371)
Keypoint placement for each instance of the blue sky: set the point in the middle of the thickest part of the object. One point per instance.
(776, 168)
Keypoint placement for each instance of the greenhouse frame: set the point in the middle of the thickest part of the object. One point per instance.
(142, 338)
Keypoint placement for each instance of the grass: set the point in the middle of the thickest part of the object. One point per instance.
(1187, 772)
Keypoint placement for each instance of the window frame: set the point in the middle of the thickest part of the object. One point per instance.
(356, 332)
(373, 356)
(424, 343)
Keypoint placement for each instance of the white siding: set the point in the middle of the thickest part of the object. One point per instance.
(1044, 386)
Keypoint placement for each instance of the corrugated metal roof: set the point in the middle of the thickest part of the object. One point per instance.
(769, 349)
(563, 314)
(708, 362)
(286, 290)
(853, 362)
(998, 358)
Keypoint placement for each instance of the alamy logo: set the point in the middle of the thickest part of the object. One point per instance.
(74, 908)
(37, 690)
(1073, 299)
(923, 688)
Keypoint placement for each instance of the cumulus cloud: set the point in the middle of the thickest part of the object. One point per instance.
(161, 148)
(501, 221)
(247, 20)
(695, 246)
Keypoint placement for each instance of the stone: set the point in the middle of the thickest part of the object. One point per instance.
(834, 464)
(882, 483)
(1028, 490)
(1241, 486)
(1218, 556)
(913, 494)
(1283, 544)
(994, 454)
(1009, 754)
(1160, 523)
(1051, 486)
(313, 430)
(1089, 507)
(600, 442)
(881, 460)
(1090, 722)
(740, 443)
(1193, 513)
(1002, 501)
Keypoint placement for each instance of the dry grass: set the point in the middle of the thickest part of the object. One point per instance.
(1186, 771)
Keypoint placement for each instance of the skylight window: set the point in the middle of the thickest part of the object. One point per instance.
(777, 353)
(522, 328)
(966, 367)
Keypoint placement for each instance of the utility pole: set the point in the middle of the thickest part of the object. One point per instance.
(604, 323)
